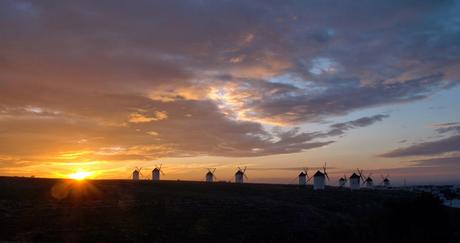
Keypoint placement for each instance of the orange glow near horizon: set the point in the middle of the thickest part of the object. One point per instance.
(80, 175)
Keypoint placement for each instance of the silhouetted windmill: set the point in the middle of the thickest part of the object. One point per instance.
(156, 173)
(355, 180)
(386, 181)
(137, 173)
(240, 175)
(319, 179)
(210, 176)
(368, 182)
(343, 181)
(303, 177)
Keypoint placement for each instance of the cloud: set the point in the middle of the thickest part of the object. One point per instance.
(439, 147)
(258, 43)
(139, 118)
(191, 128)
(186, 78)
(340, 128)
(448, 127)
(453, 161)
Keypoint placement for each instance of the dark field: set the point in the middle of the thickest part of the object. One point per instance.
(48, 210)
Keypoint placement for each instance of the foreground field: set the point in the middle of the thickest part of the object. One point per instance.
(48, 210)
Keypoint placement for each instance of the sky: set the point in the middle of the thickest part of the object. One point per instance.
(277, 86)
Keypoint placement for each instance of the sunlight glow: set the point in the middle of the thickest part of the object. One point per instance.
(80, 175)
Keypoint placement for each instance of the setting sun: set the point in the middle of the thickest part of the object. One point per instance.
(80, 175)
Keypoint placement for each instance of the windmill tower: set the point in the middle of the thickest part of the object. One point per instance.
(210, 175)
(136, 174)
(240, 175)
(386, 181)
(355, 180)
(156, 173)
(343, 181)
(369, 183)
(319, 179)
(303, 177)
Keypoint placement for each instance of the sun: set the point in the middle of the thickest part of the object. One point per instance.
(80, 175)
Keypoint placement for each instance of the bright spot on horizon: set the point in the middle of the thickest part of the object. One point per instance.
(80, 175)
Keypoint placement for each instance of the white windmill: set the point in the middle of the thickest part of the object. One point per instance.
(240, 175)
(343, 181)
(303, 177)
(210, 175)
(319, 179)
(156, 173)
(386, 181)
(137, 173)
(355, 180)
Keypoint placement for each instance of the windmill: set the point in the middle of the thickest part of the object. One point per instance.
(355, 180)
(386, 181)
(319, 179)
(210, 175)
(303, 177)
(368, 182)
(240, 175)
(137, 173)
(156, 173)
(343, 181)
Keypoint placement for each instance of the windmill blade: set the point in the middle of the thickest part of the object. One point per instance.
(309, 179)
(244, 170)
(245, 176)
(360, 172)
(213, 170)
(326, 176)
(306, 172)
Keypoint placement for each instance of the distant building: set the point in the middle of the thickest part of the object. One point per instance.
(239, 177)
(135, 175)
(355, 181)
(209, 177)
(342, 182)
(302, 179)
(369, 183)
(386, 182)
(319, 180)
(454, 203)
(156, 174)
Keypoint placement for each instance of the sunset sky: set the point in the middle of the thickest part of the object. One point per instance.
(105, 86)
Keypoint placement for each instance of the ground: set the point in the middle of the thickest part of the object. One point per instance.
(53, 210)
